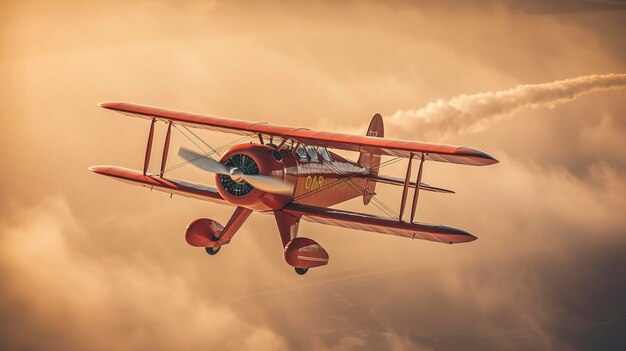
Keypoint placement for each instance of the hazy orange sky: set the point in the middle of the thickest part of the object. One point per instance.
(87, 263)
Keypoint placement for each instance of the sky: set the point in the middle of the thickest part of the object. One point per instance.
(89, 263)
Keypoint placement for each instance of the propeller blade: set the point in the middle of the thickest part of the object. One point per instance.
(203, 162)
(269, 184)
(261, 182)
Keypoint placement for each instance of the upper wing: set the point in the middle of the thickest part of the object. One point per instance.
(370, 223)
(391, 147)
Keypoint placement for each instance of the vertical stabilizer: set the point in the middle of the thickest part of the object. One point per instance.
(370, 160)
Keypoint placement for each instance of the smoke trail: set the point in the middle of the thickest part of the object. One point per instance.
(466, 113)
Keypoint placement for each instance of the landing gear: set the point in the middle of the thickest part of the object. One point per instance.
(213, 250)
(301, 271)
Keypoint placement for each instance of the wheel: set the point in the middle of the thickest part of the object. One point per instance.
(301, 271)
(212, 250)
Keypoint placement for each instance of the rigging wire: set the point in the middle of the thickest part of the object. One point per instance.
(348, 179)
(206, 153)
(357, 187)
(201, 140)
(376, 202)
(186, 136)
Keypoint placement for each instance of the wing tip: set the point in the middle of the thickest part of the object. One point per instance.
(100, 169)
(455, 235)
(95, 169)
(484, 159)
(110, 105)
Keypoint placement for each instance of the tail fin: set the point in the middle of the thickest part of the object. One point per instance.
(372, 161)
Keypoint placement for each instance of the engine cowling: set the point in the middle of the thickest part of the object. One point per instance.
(252, 159)
(305, 253)
(203, 232)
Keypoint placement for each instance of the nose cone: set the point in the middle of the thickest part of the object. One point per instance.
(236, 174)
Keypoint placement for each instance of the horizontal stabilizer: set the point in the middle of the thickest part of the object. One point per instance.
(400, 182)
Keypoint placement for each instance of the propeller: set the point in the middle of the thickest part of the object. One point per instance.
(262, 182)
(203, 162)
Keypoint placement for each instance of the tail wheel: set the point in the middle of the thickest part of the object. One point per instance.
(214, 250)
(301, 271)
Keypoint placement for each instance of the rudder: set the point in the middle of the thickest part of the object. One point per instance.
(369, 160)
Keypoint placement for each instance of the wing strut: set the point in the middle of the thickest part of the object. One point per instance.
(146, 160)
(406, 187)
(234, 223)
(417, 188)
(407, 180)
(166, 148)
(287, 226)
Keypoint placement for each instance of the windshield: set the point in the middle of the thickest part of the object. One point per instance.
(301, 152)
(325, 154)
(312, 152)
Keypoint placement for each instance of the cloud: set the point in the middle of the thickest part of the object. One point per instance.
(105, 266)
(71, 298)
(466, 113)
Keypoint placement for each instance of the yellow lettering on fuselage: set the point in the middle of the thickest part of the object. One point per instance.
(314, 182)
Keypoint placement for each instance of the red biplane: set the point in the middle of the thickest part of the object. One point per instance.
(291, 173)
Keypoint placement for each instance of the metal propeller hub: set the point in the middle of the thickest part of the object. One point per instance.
(236, 174)
(239, 165)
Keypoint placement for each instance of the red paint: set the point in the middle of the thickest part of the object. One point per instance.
(405, 188)
(317, 184)
(146, 161)
(166, 148)
(234, 223)
(256, 199)
(203, 232)
(417, 189)
(288, 226)
(391, 147)
(172, 186)
(371, 161)
(305, 253)
(371, 223)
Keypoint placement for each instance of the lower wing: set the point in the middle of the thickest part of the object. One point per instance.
(172, 186)
(370, 223)
(339, 218)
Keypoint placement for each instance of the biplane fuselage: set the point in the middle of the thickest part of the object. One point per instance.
(290, 173)
(318, 180)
